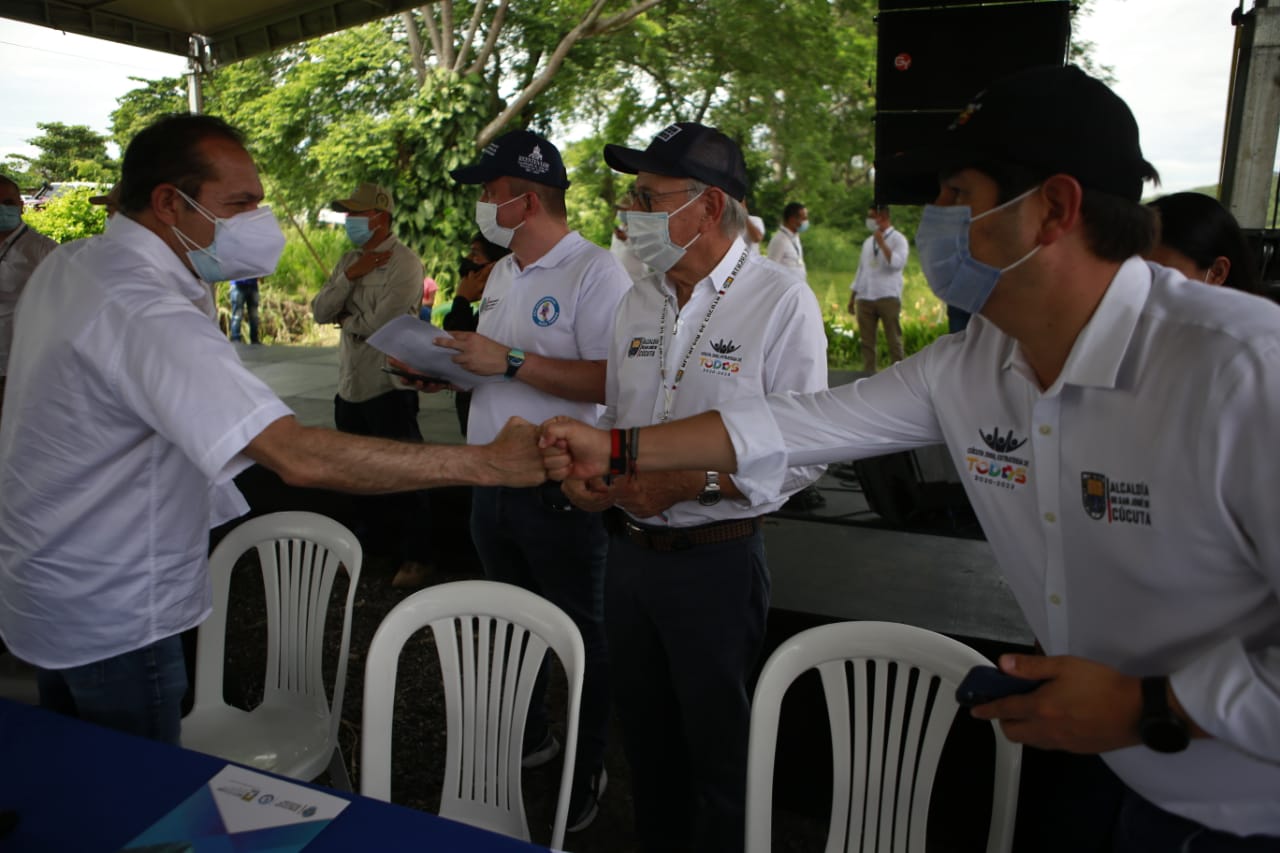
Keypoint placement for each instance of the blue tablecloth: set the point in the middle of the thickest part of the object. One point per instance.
(80, 788)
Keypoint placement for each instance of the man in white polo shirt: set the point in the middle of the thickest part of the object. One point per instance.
(687, 590)
(1113, 423)
(545, 326)
(785, 247)
(876, 293)
(130, 413)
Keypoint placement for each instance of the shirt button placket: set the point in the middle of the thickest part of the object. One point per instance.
(1047, 474)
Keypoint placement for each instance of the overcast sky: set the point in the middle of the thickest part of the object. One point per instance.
(1171, 60)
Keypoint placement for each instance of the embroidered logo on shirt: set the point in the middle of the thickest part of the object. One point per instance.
(546, 311)
(994, 465)
(642, 348)
(489, 304)
(533, 162)
(725, 347)
(1118, 501)
(718, 362)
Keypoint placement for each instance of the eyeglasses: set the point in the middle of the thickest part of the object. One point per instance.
(643, 199)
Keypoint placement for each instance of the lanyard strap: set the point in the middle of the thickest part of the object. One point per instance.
(669, 391)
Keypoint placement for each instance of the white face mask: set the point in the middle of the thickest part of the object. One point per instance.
(649, 236)
(247, 245)
(487, 220)
(871, 224)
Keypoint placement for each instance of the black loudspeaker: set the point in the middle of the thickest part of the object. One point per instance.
(931, 62)
(913, 486)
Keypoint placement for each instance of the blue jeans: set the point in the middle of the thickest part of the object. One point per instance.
(244, 298)
(1145, 828)
(524, 539)
(138, 692)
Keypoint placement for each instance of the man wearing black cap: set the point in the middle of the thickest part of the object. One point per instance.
(1111, 421)
(687, 589)
(545, 326)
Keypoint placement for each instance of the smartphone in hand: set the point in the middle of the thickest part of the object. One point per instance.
(986, 684)
(415, 377)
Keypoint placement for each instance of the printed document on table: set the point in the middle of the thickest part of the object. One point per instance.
(245, 811)
(408, 339)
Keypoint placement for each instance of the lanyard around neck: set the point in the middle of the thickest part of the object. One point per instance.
(669, 390)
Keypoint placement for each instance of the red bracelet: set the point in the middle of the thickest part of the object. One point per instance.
(617, 452)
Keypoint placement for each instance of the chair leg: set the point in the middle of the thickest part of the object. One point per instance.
(338, 777)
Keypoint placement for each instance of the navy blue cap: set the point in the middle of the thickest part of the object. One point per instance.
(518, 154)
(687, 149)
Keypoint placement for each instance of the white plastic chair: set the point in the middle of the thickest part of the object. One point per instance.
(868, 750)
(491, 639)
(294, 731)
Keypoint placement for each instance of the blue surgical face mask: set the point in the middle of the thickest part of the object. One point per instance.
(649, 236)
(358, 230)
(10, 217)
(804, 226)
(953, 274)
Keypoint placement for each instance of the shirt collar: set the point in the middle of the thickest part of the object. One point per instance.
(139, 239)
(564, 249)
(1099, 349)
(719, 272)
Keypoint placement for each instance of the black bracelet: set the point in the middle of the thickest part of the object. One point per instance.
(633, 448)
(617, 451)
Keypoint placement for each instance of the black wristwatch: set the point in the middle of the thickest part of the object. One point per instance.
(710, 494)
(515, 360)
(1159, 727)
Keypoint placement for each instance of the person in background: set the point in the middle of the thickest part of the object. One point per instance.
(379, 280)
(244, 300)
(875, 297)
(21, 250)
(785, 247)
(545, 328)
(463, 317)
(429, 290)
(753, 234)
(110, 200)
(1200, 238)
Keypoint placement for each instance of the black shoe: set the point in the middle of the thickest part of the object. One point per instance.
(584, 802)
(541, 752)
(808, 498)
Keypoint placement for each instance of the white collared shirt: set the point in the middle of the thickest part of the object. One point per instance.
(126, 415)
(560, 306)
(880, 277)
(765, 335)
(1131, 505)
(20, 252)
(785, 249)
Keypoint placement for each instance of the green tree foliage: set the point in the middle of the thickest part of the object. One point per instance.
(69, 152)
(70, 216)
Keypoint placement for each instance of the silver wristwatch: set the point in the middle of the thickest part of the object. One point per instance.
(710, 494)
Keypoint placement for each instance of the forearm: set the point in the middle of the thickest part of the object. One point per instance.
(331, 301)
(322, 458)
(699, 443)
(568, 379)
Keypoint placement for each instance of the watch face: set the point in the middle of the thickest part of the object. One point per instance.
(710, 497)
(1164, 734)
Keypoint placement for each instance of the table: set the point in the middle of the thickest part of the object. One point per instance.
(81, 788)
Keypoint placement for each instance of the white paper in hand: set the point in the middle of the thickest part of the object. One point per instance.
(412, 341)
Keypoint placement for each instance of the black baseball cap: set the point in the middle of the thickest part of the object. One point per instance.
(518, 154)
(686, 149)
(1053, 120)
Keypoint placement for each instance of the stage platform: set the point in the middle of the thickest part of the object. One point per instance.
(835, 562)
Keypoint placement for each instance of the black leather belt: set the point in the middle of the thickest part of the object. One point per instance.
(680, 538)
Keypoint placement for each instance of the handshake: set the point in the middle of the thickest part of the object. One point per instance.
(525, 454)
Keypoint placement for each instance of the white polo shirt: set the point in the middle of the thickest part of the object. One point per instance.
(785, 249)
(20, 253)
(559, 306)
(126, 413)
(879, 277)
(765, 335)
(1131, 505)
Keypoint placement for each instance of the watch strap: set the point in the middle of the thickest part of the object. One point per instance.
(515, 360)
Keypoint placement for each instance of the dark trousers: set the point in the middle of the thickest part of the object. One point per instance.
(402, 519)
(685, 631)
(1145, 828)
(524, 538)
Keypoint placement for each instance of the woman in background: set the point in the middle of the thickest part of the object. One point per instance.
(1202, 240)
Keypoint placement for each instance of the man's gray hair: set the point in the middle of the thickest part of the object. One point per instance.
(733, 222)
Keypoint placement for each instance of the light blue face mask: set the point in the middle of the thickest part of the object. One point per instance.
(358, 230)
(804, 226)
(943, 243)
(10, 217)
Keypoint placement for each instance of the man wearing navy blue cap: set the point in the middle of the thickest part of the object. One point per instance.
(545, 326)
(1112, 422)
(687, 590)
